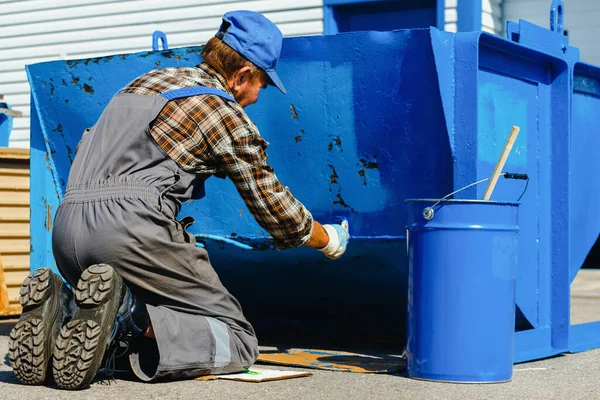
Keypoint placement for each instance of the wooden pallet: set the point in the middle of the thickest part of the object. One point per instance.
(14, 227)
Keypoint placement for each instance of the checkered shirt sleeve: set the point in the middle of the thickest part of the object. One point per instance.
(209, 135)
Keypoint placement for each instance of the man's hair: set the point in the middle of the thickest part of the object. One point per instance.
(227, 61)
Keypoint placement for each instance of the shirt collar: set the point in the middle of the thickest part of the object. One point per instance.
(216, 75)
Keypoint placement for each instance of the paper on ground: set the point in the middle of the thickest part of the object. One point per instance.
(257, 375)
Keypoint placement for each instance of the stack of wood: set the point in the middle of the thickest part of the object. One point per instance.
(14, 227)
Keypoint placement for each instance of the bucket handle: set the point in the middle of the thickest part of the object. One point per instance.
(428, 212)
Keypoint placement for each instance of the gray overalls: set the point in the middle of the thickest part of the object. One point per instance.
(123, 195)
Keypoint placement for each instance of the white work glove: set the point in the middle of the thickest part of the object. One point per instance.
(338, 240)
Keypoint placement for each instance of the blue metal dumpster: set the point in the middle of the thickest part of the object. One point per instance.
(371, 119)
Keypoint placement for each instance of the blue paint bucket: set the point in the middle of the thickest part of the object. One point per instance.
(461, 290)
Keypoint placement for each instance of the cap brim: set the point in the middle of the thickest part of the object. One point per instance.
(275, 81)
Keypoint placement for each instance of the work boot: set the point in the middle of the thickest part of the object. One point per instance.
(47, 303)
(107, 313)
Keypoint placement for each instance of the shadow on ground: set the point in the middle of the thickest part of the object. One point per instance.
(6, 325)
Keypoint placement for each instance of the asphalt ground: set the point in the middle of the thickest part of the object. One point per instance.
(568, 376)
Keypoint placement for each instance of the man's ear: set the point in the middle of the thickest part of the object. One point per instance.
(243, 75)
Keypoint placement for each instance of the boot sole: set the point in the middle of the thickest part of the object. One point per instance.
(81, 344)
(32, 338)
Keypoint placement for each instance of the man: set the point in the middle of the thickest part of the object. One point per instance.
(138, 279)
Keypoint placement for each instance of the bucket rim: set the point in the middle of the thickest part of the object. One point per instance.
(465, 201)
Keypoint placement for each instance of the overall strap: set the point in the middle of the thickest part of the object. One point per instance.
(195, 91)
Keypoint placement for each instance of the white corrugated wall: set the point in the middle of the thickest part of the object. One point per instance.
(581, 22)
(451, 16)
(491, 17)
(33, 31)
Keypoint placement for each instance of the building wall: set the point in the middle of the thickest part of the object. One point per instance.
(43, 30)
(491, 18)
(580, 21)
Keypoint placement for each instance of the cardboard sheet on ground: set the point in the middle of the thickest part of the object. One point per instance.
(257, 375)
(334, 360)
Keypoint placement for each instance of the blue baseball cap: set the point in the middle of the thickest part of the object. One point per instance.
(255, 37)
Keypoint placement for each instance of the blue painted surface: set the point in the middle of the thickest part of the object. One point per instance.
(461, 291)
(6, 123)
(583, 337)
(162, 37)
(557, 11)
(469, 15)
(585, 135)
(373, 118)
(534, 344)
(440, 12)
(352, 16)
(330, 26)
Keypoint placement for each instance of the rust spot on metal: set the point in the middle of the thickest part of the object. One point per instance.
(298, 138)
(69, 153)
(334, 176)
(293, 110)
(67, 100)
(369, 164)
(48, 220)
(341, 202)
(86, 62)
(233, 234)
(157, 64)
(362, 174)
(167, 54)
(88, 88)
(74, 81)
(337, 141)
(51, 89)
(73, 63)
(47, 158)
(58, 128)
(194, 50)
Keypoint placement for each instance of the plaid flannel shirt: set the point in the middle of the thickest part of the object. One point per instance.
(209, 135)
